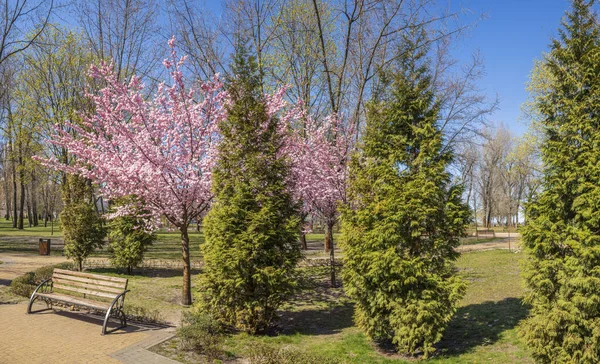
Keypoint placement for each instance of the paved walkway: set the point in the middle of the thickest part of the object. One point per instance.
(69, 337)
(64, 336)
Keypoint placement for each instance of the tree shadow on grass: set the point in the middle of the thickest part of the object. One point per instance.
(146, 272)
(481, 324)
(317, 321)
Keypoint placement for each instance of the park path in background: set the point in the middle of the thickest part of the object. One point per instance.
(502, 243)
(17, 264)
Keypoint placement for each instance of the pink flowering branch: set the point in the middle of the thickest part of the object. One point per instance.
(321, 153)
(161, 150)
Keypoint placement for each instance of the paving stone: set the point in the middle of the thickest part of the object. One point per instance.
(67, 337)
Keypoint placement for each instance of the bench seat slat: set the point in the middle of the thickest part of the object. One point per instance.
(90, 275)
(103, 306)
(84, 291)
(93, 287)
(89, 281)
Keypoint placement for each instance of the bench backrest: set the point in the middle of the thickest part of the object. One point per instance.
(88, 283)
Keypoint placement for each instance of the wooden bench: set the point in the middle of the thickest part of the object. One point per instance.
(93, 291)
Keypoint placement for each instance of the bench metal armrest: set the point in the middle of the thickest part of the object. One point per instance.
(122, 294)
(41, 286)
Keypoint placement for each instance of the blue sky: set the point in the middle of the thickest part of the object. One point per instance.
(514, 34)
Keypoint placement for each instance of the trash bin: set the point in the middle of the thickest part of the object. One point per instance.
(44, 246)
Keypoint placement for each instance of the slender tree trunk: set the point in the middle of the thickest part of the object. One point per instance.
(302, 234)
(6, 183)
(329, 238)
(15, 205)
(21, 207)
(34, 209)
(30, 216)
(186, 298)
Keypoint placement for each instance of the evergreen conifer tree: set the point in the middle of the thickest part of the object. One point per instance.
(252, 230)
(404, 217)
(130, 235)
(562, 237)
(81, 224)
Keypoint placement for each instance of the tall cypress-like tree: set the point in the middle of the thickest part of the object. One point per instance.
(404, 217)
(562, 237)
(252, 230)
(81, 224)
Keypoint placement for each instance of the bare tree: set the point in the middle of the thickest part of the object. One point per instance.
(200, 37)
(18, 18)
(124, 31)
(492, 154)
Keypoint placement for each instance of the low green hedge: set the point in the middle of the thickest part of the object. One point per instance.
(25, 285)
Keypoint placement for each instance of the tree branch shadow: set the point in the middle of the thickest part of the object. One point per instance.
(481, 324)
(317, 321)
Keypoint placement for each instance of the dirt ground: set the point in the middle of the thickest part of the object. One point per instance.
(17, 264)
(512, 243)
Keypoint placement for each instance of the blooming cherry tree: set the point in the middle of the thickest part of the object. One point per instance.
(321, 154)
(159, 150)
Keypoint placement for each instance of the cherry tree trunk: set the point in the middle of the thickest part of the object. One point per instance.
(329, 238)
(186, 297)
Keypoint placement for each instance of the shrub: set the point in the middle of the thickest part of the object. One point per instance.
(143, 314)
(25, 285)
(202, 334)
(130, 235)
(266, 354)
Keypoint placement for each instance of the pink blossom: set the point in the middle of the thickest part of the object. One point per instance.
(162, 149)
(321, 152)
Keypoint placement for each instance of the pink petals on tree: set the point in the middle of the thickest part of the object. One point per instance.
(160, 149)
(321, 154)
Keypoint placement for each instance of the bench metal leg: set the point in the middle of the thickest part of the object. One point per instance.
(45, 286)
(33, 298)
(106, 320)
(117, 305)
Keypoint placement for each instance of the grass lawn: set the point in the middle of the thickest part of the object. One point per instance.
(40, 231)
(472, 241)
(153, 293)
(319, 320)
(168, 245)
(484, 330)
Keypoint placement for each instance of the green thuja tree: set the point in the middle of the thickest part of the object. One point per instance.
(82, 227)
(130, 235)
(404, 217)
(252, 230)
(562, 237)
